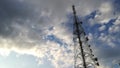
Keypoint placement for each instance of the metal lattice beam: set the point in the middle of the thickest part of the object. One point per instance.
(82, 50)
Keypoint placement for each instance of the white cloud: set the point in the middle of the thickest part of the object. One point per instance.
(102, 28)
(105, 7)
(115, 27)
(107, 39)
(104, 14)
(53, 51)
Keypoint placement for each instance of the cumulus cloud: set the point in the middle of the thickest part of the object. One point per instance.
(25, 26)
(102, 28)
(104, 13)
(40, 28)
(115, 28)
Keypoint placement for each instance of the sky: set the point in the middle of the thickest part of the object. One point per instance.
(38, 33)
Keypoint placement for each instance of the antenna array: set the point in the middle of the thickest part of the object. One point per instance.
(83, 57)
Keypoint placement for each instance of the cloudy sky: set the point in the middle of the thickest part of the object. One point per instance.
(38, 33)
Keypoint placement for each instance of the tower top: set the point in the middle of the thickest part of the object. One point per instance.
(73, 7)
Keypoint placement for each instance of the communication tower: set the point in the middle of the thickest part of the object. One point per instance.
(83, 56)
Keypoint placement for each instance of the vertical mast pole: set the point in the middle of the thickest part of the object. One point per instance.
(79, 38)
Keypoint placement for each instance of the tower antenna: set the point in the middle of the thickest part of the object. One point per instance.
(82, 50)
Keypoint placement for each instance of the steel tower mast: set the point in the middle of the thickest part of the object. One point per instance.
(83, 57)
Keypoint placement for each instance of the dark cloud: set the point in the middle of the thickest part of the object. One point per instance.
(116, 5)
(107, 52)
(15, 8)
(5, 28)
(11, 10)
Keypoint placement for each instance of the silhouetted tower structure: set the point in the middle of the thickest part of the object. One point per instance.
(83, 57)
